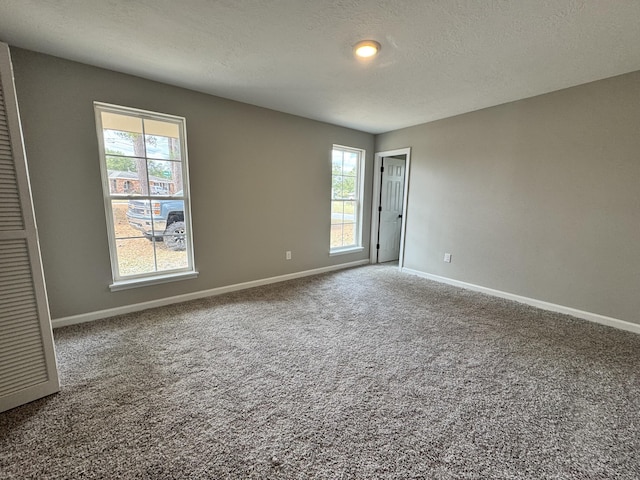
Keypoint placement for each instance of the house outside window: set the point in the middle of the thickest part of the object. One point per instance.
(143, 159)
(347, 171)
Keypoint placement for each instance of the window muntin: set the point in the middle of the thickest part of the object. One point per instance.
(346, 196)
(145, 183)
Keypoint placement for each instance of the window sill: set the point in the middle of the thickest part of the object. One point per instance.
(345, 251)
(144, 282)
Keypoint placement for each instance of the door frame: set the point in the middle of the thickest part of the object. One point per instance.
(375, 223)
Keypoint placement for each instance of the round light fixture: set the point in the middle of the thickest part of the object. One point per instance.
(366, 48)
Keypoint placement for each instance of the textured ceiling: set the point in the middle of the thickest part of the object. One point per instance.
(439, 57)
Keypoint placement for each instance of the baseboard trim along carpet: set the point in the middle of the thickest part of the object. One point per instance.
(592, 317)
(161, 302)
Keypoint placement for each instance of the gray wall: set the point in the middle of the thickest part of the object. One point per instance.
(540, 197)
(260, 183)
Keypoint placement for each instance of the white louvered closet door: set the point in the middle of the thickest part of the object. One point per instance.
(27, 358)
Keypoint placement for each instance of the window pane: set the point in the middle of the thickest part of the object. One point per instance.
(348, 235)
(117, 142)
(175, 238)
(336, 186)
(121, 164)
(336, 161)
(172, 252)
(122, 227)
(170, 259)
(349, 187)
(350, 165)
(165, 178)
(350, 211)
(337, 210)
(139, 217)
(126, 175)
(336, 236)
(165, 148)
(135, 256)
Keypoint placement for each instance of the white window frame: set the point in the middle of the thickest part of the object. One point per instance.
(357, 247)
(121, 282)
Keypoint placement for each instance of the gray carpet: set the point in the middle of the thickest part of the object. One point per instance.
(365, 373)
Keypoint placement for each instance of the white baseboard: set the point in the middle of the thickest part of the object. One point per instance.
(592, 317)
(161, 302)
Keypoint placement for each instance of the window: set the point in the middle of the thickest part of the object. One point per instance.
(146, 190)
(346, 197)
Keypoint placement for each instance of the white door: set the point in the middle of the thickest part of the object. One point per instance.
(391, 202)
(27, 359)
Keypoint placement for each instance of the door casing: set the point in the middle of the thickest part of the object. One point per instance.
(375, 224)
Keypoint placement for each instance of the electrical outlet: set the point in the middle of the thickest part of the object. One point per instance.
(287, 255)
(447, 257)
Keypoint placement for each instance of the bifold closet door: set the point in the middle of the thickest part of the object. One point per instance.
(27, 357)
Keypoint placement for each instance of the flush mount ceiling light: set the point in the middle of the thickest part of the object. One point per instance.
(366, 48)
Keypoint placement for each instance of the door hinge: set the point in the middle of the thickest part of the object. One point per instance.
(377, 246)
(380, 208)
(382, 169)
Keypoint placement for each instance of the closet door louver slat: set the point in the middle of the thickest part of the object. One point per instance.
(27, 359)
